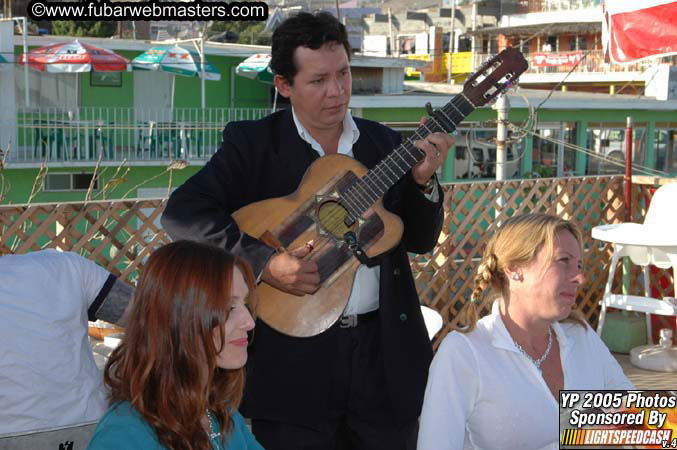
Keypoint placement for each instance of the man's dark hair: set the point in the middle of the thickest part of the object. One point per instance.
(304, 30)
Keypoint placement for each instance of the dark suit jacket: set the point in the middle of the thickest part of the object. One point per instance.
(287, 377)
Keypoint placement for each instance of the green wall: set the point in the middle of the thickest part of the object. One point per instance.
(19, 183)
(247, 93)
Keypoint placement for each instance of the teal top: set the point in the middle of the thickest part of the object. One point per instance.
(122, 427)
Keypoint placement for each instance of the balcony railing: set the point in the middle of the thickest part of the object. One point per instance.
(531, 6)
(90, 134)
(563, 62)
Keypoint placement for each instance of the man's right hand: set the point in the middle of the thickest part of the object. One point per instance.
(288, 272)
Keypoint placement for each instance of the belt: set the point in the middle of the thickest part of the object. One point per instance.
(353, 320)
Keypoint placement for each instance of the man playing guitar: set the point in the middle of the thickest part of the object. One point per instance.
(360, 383)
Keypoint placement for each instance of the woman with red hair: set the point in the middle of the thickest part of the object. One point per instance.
(177, 378)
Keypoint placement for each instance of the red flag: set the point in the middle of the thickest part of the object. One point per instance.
(634, 30)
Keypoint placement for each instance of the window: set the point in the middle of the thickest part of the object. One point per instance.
(665, 144)
(105, 79)
(607, 141)
(57, 182)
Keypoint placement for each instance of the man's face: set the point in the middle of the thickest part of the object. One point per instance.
(322, 86)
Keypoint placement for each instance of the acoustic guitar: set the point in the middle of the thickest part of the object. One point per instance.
(339, 206)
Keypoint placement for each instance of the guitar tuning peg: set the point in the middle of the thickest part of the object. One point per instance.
(429, 109)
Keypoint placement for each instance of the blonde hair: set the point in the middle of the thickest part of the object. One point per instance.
(515, 244)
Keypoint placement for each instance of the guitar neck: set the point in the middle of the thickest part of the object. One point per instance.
(364, 193)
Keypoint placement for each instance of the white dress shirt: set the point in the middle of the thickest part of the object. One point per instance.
(482, 393)
(364, 296)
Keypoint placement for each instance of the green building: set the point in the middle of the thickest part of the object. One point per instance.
(138, 134)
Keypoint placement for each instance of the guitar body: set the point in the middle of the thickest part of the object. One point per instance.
(313, 213)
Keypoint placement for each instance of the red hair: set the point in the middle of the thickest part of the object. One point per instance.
(166, 365)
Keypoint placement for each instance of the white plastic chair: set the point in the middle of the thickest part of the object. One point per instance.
(433, 321)
(70, 437)
(653, 242)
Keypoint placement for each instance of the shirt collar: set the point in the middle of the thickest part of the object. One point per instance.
(501, 337)
(349, 136)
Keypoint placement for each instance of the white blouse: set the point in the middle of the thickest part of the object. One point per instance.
(482, 393)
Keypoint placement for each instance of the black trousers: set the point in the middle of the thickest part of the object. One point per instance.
(360, 416)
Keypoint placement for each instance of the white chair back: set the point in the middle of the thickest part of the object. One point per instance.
(433, 321)
(72, 437)
(663, 208)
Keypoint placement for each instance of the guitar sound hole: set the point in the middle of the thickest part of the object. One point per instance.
(333, 218)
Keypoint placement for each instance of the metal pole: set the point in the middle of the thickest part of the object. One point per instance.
(473, 38)
(390, 33)
(503, 107)
(25, 39)
(202, 69)
(560, 151)
(451, 39)
(628, 170)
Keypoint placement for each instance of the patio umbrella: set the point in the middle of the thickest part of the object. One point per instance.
(257, 67)
(74, 57)
(177, 61)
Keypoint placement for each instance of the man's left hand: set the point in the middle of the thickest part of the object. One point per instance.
(436, 147)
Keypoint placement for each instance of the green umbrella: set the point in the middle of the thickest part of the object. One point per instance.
(175, 60)
(256, 67)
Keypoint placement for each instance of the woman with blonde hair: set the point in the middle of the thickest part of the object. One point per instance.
(496, 384)
(177, 378)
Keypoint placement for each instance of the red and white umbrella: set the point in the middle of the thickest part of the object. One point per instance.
(74, 57)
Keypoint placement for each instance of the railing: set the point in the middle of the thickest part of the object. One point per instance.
(119, 235)
(563, 62)
(114, 134)
(531, 6)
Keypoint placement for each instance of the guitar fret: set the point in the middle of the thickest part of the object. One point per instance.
(365, 194)
(437, 125)
(406, 149)
(425, 125)
(459, 111)
(468, 100)
(355, 212)
(405, 162)
(373, 174)
(420, 138)
(449, 125)
(418, 151)
(359, 199)
(377, 194)
(385, 174)
(380, 185)
(448, 118)
(397, 177)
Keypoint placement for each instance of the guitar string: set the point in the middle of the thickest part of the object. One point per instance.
(407, 146)
(336, 217)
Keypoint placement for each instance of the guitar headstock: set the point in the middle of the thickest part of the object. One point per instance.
(495, 76)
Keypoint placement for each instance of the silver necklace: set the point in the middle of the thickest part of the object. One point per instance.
(212, 435)
(539, 361)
